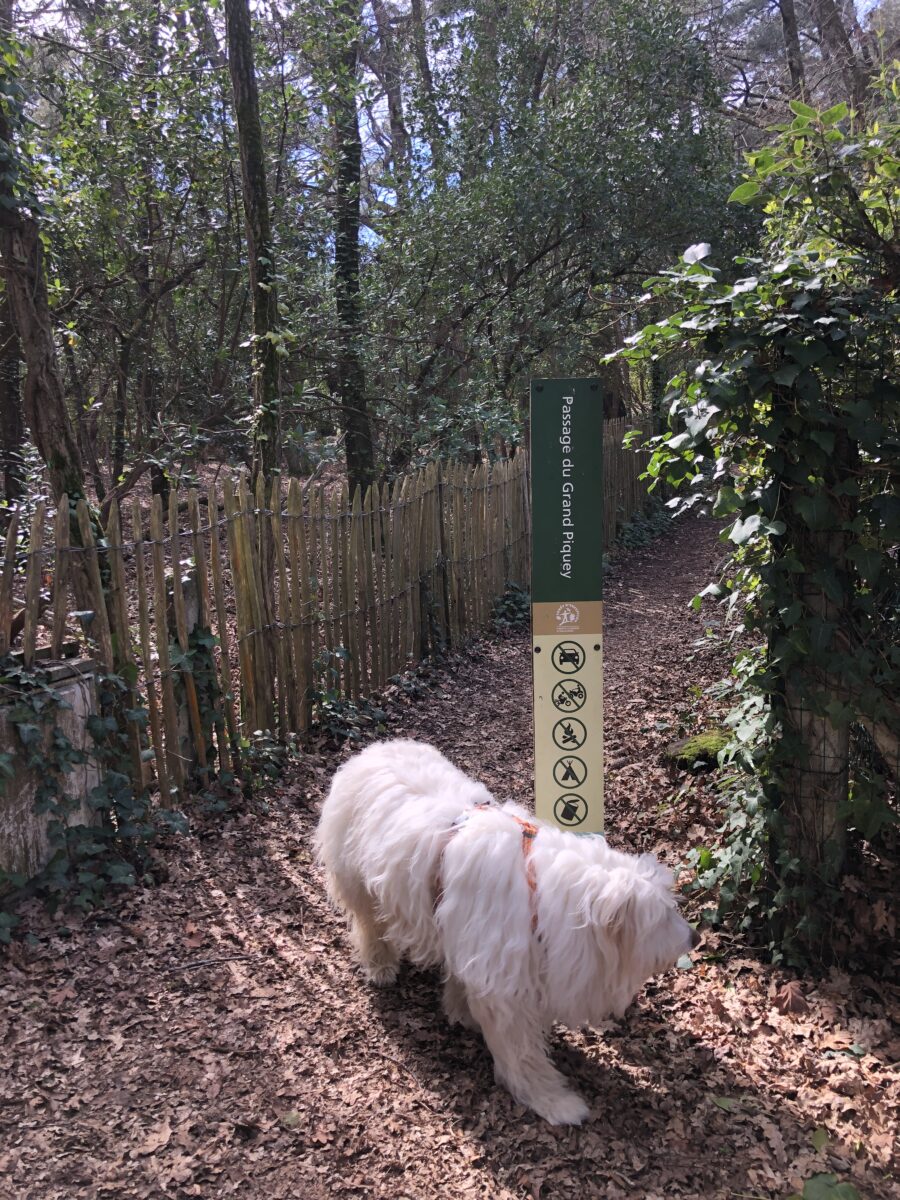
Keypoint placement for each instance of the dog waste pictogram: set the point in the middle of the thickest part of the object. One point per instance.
(570, 810)
(567, 601)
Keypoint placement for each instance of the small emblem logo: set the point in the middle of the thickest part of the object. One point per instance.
(567, 617)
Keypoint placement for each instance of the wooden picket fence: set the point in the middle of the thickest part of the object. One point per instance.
(232, 613)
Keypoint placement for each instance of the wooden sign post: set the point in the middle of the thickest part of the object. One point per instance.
(566, 601)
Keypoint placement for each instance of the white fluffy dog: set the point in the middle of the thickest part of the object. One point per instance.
(530, 924)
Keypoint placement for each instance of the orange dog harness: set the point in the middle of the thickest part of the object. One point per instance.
(529, 833)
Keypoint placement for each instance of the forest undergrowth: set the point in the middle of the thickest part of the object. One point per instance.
(210, 1037)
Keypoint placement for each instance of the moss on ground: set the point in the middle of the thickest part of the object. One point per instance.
(700, 748)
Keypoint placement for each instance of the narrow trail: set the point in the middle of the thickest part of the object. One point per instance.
(210, 1037)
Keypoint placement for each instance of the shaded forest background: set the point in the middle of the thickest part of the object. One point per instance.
(429, 203)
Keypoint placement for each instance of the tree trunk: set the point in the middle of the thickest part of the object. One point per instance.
(350, 372)
(123, 369)
(12, 430)
(260, 248)
(392, 82)
(43, 396)
(21, 262)
(809, 787)
(837, 44)
(430, 113)
(792, 51)
(85, 426)
(482, 122)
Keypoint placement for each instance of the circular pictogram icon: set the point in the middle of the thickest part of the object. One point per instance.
(567, 657)
(570, 809)
(569, 734)
(570, 771)
(568, 695)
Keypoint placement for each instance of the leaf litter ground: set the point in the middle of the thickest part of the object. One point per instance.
(210, 1037)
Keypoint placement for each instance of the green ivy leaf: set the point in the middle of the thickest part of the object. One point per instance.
(816, 510)
(803, 110)
(826, 1187)
(836, 113)
(787, 374)
(744, 192)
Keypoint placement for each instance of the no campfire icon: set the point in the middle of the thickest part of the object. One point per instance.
(569, 733)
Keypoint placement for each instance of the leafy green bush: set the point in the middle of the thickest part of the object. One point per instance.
(787, 418)
(645, 526)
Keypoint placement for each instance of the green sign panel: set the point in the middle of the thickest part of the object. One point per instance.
(566, 600)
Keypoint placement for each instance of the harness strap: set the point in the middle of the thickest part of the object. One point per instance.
(529, 833)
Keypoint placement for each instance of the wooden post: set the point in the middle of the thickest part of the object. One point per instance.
(215, 560)
(181, 631)
(281, 613)
(341, 634)
(156, 728)
(60, 576)
(369, 542)
(315, 555)
(300, 608)
(122, 649)
(100, 624)
(33, 584)
(444, 579)
(387, 596)
(170, 713)
(359, 598)
(330, 628)
(204, 615)
(263, 684)
(348, 573)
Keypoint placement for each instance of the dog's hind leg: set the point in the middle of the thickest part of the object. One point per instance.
(378, 958)
(456, 1004)
(521, 1063)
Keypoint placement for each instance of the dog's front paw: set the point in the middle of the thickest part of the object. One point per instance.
(382, 975)
(565, 1108)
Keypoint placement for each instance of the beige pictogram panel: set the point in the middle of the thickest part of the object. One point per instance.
(568, 717)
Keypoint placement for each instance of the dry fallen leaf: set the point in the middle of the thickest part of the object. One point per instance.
(155, 1140)
(194, 936)
(284, 1075)
(790, 998)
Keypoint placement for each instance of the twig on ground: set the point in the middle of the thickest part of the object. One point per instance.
(209, 962)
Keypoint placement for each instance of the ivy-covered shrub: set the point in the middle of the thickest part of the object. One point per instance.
(87, 858)
(786, 420)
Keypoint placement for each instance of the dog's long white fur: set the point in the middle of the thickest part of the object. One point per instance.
(426, 875)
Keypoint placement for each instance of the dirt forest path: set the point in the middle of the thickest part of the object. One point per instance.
(209, 1037)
